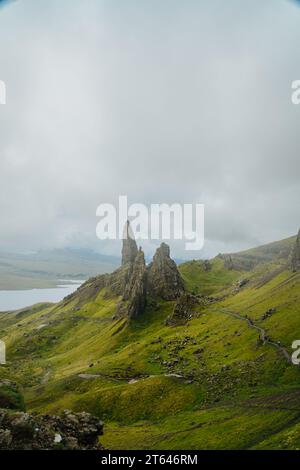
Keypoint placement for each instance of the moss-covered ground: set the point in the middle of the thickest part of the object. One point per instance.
(208, 384)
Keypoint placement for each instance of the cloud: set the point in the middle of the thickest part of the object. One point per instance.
(164, 101)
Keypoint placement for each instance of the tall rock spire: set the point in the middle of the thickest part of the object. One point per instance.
(129, 249)
(136, 290)
(295, 255)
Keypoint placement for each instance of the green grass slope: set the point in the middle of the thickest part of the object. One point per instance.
(203, 281)
(212, 383)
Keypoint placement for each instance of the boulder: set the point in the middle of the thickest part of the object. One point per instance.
(70, 431)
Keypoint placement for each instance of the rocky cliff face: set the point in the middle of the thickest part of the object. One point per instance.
(136, 289)
(164, 280)
(133, 280)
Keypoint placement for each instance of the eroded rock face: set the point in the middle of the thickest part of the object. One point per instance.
(295, 255)
(72, 431)
(164, 280)
(136, 290)
(132, 281)
(119, 279)
(161, 280)
(129, 248)
(184, 309)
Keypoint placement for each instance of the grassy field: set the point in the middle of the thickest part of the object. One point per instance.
(208, 384)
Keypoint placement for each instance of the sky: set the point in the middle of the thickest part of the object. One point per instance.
(163, 101)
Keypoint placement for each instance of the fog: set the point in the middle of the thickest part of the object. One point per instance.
(162, 101)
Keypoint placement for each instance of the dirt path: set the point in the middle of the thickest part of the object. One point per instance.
(262, 333)
(130, 380)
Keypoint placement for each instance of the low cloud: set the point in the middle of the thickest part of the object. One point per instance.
(164, 102)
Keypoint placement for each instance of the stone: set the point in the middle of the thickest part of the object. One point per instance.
(184, 310)
(119, 279)
(295, 255)
(164, 280)
(129, 249)
(269, 313)
(133, 280)
(135, 294)
(23, 431)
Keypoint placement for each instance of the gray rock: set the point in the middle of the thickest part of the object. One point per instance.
(132, 281)
(184, 310)
(135, 294)
(129, 249)
(295, 255)
(69, 431)
(164, 279)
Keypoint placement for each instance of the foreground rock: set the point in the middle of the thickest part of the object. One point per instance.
(70, 431)
(295, 255)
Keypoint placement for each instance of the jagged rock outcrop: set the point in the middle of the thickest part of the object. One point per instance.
(129, 248)
(70, 431)
(161, 280)
(88, 290)
(119, 279)
(239, 262)
(184, 309)
(135, 292)
(129, 281)
(133, 280)
(164, 280)
(295, 255)
(20, 430)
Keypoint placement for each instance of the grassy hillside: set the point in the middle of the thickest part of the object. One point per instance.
(212, 383)
(200, 280)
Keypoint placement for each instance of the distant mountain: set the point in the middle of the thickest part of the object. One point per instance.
(46, 268)
(277, 251)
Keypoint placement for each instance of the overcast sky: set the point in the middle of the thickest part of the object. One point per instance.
(161, 100)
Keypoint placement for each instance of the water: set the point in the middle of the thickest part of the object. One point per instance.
(16, 299)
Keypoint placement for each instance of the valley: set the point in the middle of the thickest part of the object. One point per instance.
(209, 371)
